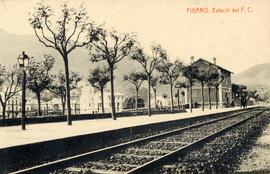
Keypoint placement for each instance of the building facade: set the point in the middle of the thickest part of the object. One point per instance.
(90, 101)
(224, 93)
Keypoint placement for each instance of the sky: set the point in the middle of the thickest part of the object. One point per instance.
(238, 40)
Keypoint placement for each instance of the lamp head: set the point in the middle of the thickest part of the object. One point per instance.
(23, 60)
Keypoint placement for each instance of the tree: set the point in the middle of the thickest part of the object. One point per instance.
(129, 102)
(217, 83)
(165, 96)
(98, 78)
(57, 86)
(39, 77)
(170, 72)
(10, 85)
(251, 93)
(211, 78)
(64, 35)
(190, 73)
(179, 85)
(155, 83)
(238, 92)
(136, 78)
(247, 94)
(149, 64)
(111, 47)
(201, 76)
(235, 91)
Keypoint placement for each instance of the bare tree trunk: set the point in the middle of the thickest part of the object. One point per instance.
(216, 98)
(183, 101)
(171, 85)
(39, 104)
(155, 95)
(3, 104)
(136, 99)
(12, 108)
(102, 100)
(190, 96)
(69, 119)
(178, 99)
(202, 97)
(149, 95)
(112, 94)
(4, 111)
(209, 95)
(63, 104)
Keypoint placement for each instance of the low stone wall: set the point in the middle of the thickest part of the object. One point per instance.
(22, 156)
(63, 118)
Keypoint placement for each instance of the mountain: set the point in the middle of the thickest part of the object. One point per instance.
(256, 75)
(11, 45)
(256, 78)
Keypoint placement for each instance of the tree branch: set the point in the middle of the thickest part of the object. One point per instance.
(42, 40)
(72, 34)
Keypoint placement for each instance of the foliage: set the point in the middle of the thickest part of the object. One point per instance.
(57, 85)
(135, 78)
(190, 72)
(237, 90)
(201, 76)
(63, 34)
(155, 82)
(148, 63)
(2, 75)
(38, 77)
(181, 84)
(211, 78)
(111, 47)
(66, 32)
(169, 71)
(99, 77)
(164, 95)
(10, 85)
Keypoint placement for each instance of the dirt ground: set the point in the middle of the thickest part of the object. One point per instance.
(258, 159)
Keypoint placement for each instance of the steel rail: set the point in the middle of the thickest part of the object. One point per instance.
(67, 162)
(147, 167)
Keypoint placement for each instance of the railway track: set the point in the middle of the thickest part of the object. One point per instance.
(141, 155)
(223, 154)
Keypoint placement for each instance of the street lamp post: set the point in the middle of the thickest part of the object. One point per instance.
(23, 61)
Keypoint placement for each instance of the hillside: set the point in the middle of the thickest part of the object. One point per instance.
(256, 75)
(11, 45)
(256, 78)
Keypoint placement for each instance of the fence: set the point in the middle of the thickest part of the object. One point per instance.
(13, 110)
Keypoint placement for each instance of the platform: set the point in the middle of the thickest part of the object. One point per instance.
(14, 136)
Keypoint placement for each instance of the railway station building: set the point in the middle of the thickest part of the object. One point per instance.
(224, 90)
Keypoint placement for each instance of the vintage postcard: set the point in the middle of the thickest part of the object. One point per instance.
(133, 86)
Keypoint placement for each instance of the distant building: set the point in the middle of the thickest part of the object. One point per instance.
(13, 106)
(90, 100)
(51, 107)
(224, 90)
(54, 106)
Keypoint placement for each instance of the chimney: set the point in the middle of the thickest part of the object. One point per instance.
(215, 60)
(191, 59)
